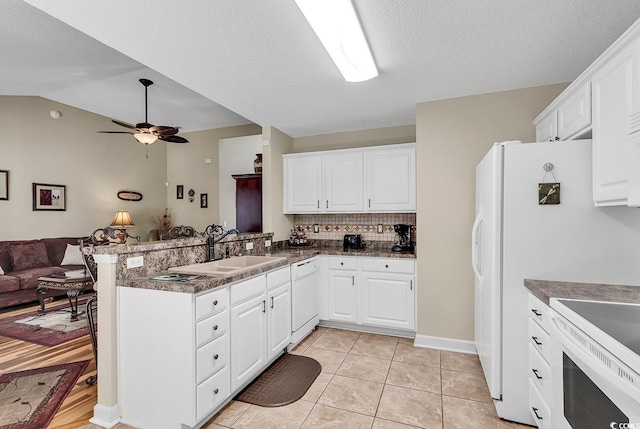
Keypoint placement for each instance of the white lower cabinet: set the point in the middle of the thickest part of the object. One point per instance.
(342, 291)
(260, 323)
(205, 346)
(371, 291)
(540, 391)
(190, 349)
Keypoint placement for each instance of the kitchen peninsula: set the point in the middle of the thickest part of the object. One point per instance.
(184, 330)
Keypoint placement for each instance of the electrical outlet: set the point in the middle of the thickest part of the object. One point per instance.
(249, 245)
(267, 243)
(135, 262)
(380, 228)
(316, 228)
(224, 224)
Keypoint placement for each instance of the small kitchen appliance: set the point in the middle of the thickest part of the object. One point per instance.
(403, 238)
(352, 241)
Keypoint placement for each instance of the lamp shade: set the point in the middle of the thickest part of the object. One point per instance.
(122, 219)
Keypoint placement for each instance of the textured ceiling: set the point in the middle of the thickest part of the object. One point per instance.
(260, 59)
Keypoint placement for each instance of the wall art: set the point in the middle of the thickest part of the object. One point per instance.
(130, 195)
(49, 197)
(4, 184)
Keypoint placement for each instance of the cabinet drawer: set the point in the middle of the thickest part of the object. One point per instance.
(540, 372)
(211, 328)
(247, 289)
(212, 357)
(211, 303)
(212, 393)
(402, 266)
(278, 277)
(539, 339)
(343, 263)
(538, 408)
(539, 312)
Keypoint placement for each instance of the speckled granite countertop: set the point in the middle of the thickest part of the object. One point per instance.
(290, 255)
(545, 289)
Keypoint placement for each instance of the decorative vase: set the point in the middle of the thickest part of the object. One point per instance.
(257, 163)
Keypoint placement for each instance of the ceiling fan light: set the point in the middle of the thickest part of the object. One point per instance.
(146, 138)
(336, 24)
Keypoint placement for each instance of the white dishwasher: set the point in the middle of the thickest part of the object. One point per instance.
(304, 298)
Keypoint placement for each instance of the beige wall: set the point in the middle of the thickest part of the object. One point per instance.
(186, 166)
(345, 140)
(274, 144)
(452, 137)
(68, 151)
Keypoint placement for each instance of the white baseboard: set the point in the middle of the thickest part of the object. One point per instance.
(106, 417)
(449, 344)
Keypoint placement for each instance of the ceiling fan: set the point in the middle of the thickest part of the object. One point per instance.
(147, 133)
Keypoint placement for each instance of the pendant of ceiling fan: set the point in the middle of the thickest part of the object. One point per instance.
(147, 133)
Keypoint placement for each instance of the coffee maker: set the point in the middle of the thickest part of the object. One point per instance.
(403, 238)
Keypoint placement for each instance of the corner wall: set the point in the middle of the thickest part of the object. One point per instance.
(275, 143)
(452, 137)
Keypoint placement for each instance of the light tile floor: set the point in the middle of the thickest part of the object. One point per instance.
(376, 382)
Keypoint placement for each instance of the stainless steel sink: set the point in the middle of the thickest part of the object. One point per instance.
(227, 266)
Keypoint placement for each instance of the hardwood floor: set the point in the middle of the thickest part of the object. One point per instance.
(16, 355)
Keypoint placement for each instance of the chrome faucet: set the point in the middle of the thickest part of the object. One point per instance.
(214, 234)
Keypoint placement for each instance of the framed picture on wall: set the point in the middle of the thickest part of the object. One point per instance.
(4, 185)
(49, 197)
(180, 192)
(203, 201)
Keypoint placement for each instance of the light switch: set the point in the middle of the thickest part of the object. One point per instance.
(135, 262)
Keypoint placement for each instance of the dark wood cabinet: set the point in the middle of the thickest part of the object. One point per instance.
(248, 202)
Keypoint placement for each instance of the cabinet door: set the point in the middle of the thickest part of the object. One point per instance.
(574, 115)
(342, 295)
(388, 300)
(278, 320)
(547, 129)
(390, 180)
(302, 183)
(343, 182)
(248, 340)
(612, 104)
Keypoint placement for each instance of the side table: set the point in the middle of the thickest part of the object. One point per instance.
(73, 287)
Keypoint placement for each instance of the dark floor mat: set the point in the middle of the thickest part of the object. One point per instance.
(284, 382)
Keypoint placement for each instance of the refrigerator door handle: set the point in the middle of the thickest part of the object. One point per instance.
(475, 244)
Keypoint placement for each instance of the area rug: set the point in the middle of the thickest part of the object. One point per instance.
(284, 382)
(49, 329)
(29, 399)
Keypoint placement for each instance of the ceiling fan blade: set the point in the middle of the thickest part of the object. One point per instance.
(173, 139)
(123, 124)
(116, 132)
(162, 130)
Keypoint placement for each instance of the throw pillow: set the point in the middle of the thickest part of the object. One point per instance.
(72, 256)
(32, 255)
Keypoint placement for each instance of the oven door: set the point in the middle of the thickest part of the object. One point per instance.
(592, 389)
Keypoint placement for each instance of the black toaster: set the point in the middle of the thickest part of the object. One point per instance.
(352, 241)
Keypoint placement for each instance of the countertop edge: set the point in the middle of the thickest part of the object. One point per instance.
(544, 290)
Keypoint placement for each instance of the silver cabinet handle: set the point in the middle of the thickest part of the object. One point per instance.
(215, 327)
(535, 340)
(410, 284)
(215, 392)
(535, 372)
(535, 411)
(215, 302)
(318, 203)
(327, 203)
(271, 302)
(369, 202)
(353, 280)
(536, 312)
(264, 306)
(215, 357)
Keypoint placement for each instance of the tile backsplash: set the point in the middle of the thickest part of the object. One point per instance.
(335, 226)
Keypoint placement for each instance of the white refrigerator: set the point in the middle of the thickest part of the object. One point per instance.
(514, 237)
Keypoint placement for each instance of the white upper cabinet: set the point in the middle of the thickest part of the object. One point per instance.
(379, 179)
(612, 103)
(343, 189)
(570, 119)
(390, 179)
(302, 183)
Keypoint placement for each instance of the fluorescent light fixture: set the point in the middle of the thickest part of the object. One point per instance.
(337, 26)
